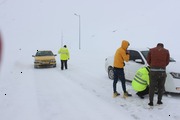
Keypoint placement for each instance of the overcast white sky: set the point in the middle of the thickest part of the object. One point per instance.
(143, 23)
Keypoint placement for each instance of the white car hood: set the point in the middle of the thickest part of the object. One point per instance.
(173, 67)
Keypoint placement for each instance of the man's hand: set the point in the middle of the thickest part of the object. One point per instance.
(127, 52)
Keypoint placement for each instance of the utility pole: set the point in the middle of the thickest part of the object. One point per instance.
(79, 29)
(62, 39)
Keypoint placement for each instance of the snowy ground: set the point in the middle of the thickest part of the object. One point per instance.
(84, 90)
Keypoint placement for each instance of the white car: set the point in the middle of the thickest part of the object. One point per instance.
(138, 60)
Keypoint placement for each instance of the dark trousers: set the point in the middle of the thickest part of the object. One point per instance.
(63, 64)
(157, 79)
(144, 92)
(119, 74)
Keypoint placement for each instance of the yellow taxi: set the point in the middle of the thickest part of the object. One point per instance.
(44, 58)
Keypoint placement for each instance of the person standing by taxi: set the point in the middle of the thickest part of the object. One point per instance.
(64, 56)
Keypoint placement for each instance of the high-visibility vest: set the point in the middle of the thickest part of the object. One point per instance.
(141, 79)
(64, 53)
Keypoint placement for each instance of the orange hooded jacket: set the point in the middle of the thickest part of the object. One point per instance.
(121, 55)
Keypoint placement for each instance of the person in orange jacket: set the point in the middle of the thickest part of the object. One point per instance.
(121, 55)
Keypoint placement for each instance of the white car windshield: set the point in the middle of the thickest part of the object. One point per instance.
(44, 53)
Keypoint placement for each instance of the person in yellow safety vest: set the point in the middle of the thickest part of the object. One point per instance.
(140, 83)
(64, 56)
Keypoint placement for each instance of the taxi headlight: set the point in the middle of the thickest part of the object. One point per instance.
(37, 61)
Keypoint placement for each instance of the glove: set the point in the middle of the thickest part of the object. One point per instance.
(127, 52)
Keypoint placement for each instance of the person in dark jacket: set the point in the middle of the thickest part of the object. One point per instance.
(158, 58)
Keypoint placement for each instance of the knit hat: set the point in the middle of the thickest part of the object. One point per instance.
(161, 45)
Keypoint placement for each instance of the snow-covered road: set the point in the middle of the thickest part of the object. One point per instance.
(52, 94)
(80, 92)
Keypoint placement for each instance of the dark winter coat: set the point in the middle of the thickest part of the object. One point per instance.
(158, 57)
